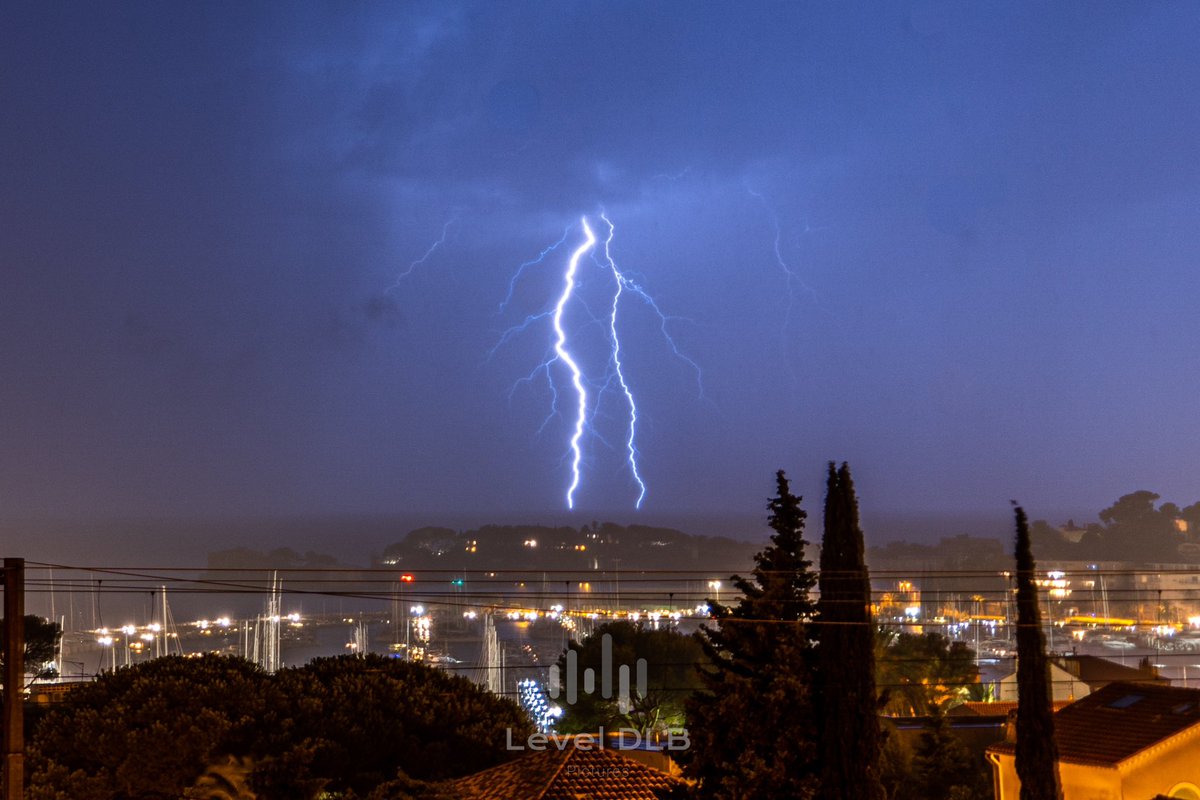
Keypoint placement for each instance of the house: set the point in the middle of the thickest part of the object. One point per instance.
(1064, 685)
(1098, 672)
(564, 771)
(1074, 677)
(1126, 741)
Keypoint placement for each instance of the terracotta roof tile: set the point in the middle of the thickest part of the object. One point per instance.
(997, 708)
(1119, 721)
(572, 773)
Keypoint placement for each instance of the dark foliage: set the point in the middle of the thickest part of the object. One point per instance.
(673, 663)
(847, 703)
(917, 672)
(41, 641)
(337, 725)
(1132, 529)
(1037, 752)
(938, 765)
(753, 729)
(404, 788)
(365, 718)
(149, 731)
(943, 768)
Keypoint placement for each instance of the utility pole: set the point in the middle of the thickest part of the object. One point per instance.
(14, 678)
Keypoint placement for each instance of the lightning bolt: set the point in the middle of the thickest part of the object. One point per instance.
(572, 295)
(543, 367)
(627, 281)
(512, 283)
(560, 348)
(630, 443)
(792, 277)
(520, 327)
(664, 176)
(432, 248)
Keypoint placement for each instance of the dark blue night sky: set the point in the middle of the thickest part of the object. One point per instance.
(992, 213)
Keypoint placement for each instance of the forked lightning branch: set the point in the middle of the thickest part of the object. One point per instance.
(564, 362)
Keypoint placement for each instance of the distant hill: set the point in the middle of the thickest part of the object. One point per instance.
(599, 546)
(951, 554)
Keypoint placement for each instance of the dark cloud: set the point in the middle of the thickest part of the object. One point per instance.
(208, 213)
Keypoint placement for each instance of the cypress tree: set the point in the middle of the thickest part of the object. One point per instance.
(1037, 752)
(752, 730)
(848, 714)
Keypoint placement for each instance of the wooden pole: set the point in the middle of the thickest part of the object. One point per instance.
(14, 678)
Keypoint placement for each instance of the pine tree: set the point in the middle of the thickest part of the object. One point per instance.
(1037, 752)
(752, 731)
(848, 712)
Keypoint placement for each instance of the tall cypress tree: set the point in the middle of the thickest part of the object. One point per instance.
(1037, 752)
(752, 730)
(848, 713)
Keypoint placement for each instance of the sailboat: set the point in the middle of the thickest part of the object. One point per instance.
(490, 672)
(266, 632)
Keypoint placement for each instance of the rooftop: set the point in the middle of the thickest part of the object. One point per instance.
(1119, 721)
(572, 773)
(1096, 671)
(999, 708)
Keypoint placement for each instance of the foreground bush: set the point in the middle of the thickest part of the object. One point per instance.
(340, 726)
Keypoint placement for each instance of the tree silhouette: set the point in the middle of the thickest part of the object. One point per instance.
(847, 702)
(341, 726)
(753, 729)
(1036, 750)
(943, 767)
(148, 731)
(915, 672)
(41, 642)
